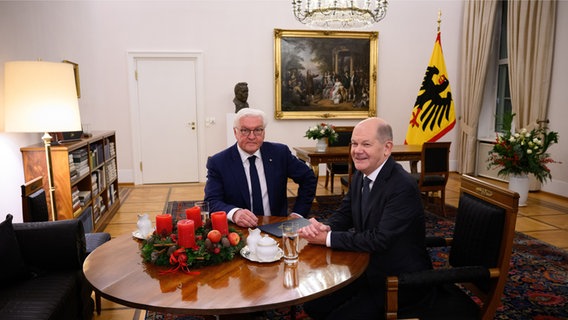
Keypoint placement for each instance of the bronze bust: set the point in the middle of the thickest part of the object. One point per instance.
(241, 96)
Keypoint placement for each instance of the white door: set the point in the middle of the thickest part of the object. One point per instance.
(167, 112)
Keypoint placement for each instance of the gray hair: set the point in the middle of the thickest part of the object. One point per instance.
(384, 132)
(249, 112)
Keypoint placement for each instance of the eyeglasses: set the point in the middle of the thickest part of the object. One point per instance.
(246, 132)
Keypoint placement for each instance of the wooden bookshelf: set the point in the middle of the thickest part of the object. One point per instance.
(85, 177)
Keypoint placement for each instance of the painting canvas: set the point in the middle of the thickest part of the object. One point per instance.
(325, 74)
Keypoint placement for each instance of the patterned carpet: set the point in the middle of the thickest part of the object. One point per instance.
(537, 287)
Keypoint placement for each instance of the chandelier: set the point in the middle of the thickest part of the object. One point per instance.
(339, 13)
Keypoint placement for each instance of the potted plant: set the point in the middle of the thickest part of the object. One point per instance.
(517, 154)
(324, 133)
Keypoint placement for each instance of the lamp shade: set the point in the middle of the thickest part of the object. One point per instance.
(40, 97)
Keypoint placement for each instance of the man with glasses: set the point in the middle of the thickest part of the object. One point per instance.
(250, 178)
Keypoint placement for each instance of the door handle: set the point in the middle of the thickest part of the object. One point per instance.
(192, 124)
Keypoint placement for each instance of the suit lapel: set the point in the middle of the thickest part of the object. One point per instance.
(376, 192)
(267, 163)
(238, 170)
(358, 214)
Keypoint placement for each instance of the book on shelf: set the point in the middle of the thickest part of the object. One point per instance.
(83, 171)
(80, 155)
(97, 157)
(76, 202)
(81, 162)
(107, 149)
(84, 197)
(72, 169)
(111, 172)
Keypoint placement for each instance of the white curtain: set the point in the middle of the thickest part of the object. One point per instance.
(530, 45)
(478, 24)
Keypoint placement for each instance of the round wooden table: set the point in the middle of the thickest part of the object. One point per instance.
(117, 272)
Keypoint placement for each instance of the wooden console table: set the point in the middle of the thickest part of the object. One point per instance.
(403, 152)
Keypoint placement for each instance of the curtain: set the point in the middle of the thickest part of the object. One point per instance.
(530, 45)
(478, 24)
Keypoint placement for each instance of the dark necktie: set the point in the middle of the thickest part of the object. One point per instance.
(255, 183)
(365, 193)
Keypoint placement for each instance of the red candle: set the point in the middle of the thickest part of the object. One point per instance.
(195, 215)
(186, 233)
(164, 224)
(219, 222)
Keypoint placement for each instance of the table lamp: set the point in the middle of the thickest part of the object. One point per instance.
(41, 97)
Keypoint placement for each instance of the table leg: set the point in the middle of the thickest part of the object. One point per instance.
(316, 169)
(414, 166)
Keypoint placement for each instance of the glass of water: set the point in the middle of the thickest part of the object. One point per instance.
(204, 207)
(290, 241)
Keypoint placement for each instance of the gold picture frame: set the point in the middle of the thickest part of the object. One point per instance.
(325, 74)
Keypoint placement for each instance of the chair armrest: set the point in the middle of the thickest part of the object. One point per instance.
(52, 245)
(432, 278)
(443, 276)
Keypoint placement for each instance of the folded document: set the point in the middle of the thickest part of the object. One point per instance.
(275, 229)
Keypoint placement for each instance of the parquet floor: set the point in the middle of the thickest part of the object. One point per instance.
(545, 217)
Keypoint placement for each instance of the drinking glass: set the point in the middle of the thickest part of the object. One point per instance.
(290, 241)
(204, 207)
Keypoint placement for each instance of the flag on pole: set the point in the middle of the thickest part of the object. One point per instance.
(433, 114)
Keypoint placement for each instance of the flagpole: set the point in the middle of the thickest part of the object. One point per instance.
(439, 19)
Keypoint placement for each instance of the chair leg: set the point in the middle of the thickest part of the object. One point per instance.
(98, 303)
(443, 201)
(293, 313)
(332, 177)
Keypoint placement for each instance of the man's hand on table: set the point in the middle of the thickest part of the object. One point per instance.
(315, 232)
(245, 218)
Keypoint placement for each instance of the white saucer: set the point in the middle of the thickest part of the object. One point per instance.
(136, 234)
(245, 253)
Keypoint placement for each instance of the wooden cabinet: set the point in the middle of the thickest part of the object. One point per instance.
(85, 177)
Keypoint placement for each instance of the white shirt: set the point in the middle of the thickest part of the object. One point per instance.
(261, 177)
(372, 177)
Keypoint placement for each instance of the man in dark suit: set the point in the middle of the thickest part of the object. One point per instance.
(231, 175)
(387, 222)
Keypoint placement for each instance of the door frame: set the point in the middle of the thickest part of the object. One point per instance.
(132, 56)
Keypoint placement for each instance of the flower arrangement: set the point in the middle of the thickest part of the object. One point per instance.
(523, 152)
(211, 248)
(322, 130)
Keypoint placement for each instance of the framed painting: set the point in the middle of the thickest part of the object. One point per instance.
(325, 74)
